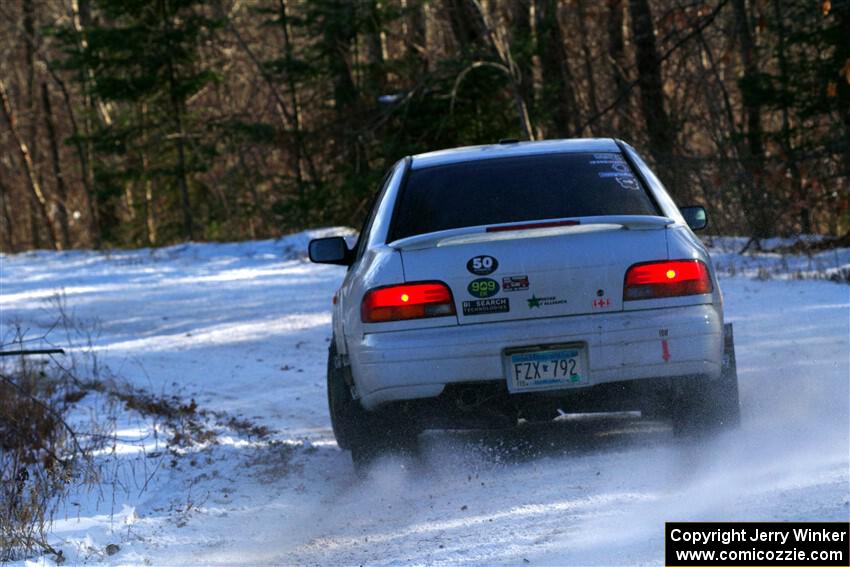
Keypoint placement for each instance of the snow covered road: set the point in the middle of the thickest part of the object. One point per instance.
(243, 329)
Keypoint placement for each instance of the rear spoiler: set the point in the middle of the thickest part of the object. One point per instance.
(519, 230)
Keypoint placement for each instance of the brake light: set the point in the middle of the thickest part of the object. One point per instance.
(407, 301)
(666, 279)
(526, 226)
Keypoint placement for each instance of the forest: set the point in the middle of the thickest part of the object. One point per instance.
(130, 123)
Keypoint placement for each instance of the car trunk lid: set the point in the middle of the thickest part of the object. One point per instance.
(535, 270)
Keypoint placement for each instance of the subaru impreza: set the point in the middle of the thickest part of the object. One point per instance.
(518, 281)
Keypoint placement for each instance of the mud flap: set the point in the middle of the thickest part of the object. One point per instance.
(730, 367)
(729, 378)
(706, 406)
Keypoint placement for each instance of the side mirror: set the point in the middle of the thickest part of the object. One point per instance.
(695, 217)
(333, 250)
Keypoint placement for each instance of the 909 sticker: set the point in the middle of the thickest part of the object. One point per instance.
(483, 287)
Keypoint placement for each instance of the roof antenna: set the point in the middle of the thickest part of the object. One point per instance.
(508, 141)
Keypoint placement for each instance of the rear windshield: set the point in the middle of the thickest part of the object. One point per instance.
(525, 188)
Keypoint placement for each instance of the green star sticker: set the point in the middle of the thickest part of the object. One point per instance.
(533, 302)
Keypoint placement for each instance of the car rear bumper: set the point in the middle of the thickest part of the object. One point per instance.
(406, 365)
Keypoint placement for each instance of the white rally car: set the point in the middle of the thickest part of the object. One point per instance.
(514, 280)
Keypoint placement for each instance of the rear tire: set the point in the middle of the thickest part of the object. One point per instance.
(347, 415)
(386, 438)
(706, 406)
(368, 435)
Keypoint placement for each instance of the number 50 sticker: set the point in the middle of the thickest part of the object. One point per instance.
(482, 265)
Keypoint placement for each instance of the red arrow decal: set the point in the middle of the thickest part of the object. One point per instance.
(665, 350)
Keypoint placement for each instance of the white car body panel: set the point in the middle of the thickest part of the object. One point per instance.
(570, 268)
(404, 365)
(405, 360)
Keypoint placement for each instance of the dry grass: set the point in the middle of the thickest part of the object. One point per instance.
(40, 454)
(43, 458)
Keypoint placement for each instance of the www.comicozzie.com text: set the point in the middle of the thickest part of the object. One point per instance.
(726, 536)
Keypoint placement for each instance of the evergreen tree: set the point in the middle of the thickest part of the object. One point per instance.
(144, 61)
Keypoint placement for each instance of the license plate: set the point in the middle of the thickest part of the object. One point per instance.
(546, 369)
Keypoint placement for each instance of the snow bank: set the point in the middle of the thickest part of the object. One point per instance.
(773, 261)
(243, 329)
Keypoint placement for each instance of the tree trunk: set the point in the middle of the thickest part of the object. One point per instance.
(29, 169)
(375, 68)
(841, 57)
(754, 201)
(494, 40)
(81, 19)
(522, 48)
(728, 138)
(77, 135)
(177, 103)
(35, 227)
(182, 173)
(558, 93)
(61, 189)
(29, 55)
(787, 141)
(467, 26)
(150, 204)
(300, 153)
(31, 134)
(338, 33)
(588, 61)
(339, 36)
(150, 213)
(617, 61)
(658, 127)
(86, 173)
(415, 28)
(8, 233)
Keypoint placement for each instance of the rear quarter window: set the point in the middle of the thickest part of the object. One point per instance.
(516, 189)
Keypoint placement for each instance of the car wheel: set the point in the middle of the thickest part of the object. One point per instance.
(386, 439)
(366, 434)
(704, 406)
(348, 417)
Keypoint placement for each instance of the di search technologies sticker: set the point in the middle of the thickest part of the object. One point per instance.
(760, 544)
(486, 306)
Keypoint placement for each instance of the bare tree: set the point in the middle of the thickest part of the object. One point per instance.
(522, 47)
(618, 65)
(651, 85)
(61, 189)
(8, 225)
(29, 169)
(290, 134)
(558, 94)
(581, 13)
(786, 139)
